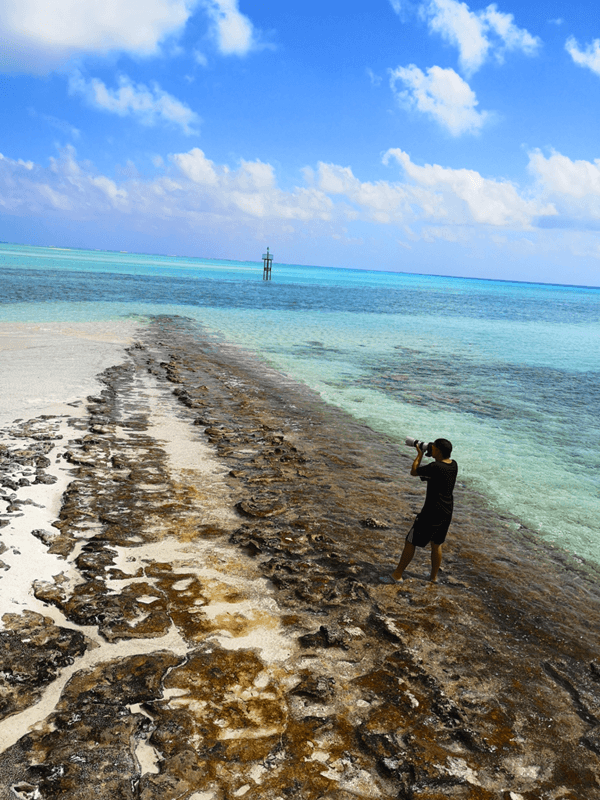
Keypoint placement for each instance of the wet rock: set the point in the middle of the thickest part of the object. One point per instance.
(90, 740)
(324, 637)
(591, 740)
(261, 507)
(374, 524)
(45, 478)
(318, 688)
(33, 650)
(387, 626)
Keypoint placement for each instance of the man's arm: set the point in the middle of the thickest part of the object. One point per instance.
(417, 461)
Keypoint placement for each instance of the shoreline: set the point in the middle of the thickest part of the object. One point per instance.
(463, 687)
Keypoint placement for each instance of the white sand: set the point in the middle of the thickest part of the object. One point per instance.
(43, 366)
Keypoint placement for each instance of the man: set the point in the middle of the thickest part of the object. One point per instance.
(432, 522)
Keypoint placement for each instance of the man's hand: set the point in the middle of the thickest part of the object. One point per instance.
(417, 461)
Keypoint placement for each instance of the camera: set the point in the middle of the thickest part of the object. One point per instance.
(425, 446)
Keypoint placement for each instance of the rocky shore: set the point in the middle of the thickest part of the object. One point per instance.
(211, 616)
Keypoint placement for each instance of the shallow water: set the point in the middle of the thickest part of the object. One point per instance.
(507, 371)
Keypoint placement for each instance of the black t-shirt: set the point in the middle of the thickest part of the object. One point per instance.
(439, 502)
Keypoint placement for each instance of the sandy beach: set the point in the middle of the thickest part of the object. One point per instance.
(196, 597)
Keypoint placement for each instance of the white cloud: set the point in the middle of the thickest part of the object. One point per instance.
(29, 165)
(465, 196)
(148, 105)
(460, 27)
(196, 194)
(251, 190)
(197, 167)
(39, 35)
(577, 179)
(381, 202)
(27, 189)
(511, 36)
(441, 94)
(590, 57)
(477, 34)
(232, 30)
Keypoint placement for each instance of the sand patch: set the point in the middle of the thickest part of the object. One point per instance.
(47, 365)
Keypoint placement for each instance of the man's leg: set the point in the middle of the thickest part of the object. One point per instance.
(405, 559)
(436, 560)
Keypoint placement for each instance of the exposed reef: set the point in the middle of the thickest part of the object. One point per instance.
(222, 625)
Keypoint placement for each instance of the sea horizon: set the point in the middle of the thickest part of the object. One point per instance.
(218, 260)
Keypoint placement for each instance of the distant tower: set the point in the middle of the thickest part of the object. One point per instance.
(267, 261)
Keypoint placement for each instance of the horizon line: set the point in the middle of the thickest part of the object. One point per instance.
(308, 266)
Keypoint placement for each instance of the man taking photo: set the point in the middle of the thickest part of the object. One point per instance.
(432, 522)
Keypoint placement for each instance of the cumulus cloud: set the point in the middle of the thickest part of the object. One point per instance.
(476, 34)
(460, 27)
(232, 30)
(148, 105)
(433, 194)
(39, 35)
(463, 195)
(192, 191)
(196, 194)
(27, 189)
(511, 37)
(381, 201)
(590, 57)
(441, 94)
(250, 190)
(573, 186)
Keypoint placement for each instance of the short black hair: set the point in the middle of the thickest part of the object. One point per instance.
(444, 446)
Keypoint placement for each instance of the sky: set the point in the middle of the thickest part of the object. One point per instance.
(428, 137)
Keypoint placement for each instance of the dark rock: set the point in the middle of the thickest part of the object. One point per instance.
(261, 507)
(316, 687)
(33, 650)
(43, 477)
(374, 524)
(591, 740)
(323, 638)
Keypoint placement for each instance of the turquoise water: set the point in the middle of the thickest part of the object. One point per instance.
(509, 372)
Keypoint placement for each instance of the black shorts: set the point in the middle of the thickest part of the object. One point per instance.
(424, 531)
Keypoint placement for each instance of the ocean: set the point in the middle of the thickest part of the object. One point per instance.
(507, 371)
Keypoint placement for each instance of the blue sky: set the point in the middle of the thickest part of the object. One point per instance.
(434, 136)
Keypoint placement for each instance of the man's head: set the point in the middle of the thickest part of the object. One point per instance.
(444, 446)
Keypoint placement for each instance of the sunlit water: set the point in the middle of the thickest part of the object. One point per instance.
(509, 372)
